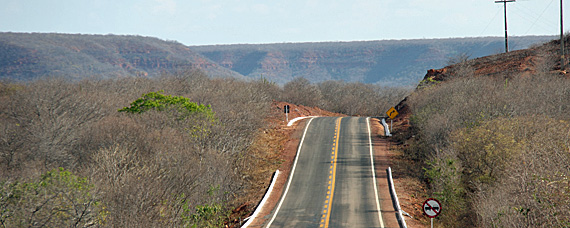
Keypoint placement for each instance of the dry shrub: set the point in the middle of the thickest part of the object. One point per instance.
(154, 169)
(461, 67)
(545, 61)
(301, 92)
(358, 98)
(534, 190)
(109, 131)
(149, 170)
(47, 117)
(503, 139)
(444, 174)
(150, 190)
(486, 150)
(440, 109)
(352, 98)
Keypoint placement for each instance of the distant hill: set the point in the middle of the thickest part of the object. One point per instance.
(389, 62)
(26, 56)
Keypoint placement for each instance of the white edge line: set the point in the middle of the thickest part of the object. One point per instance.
(262, 203)
(374, 174)
(290, 175)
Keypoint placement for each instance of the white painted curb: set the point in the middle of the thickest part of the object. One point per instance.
(291, 122)
(395, 200)
(258, 209)
(386, 129)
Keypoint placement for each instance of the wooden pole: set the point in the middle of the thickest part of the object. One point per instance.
(562, 54)
(506, 34)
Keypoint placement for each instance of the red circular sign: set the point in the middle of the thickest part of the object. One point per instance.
(431, 208)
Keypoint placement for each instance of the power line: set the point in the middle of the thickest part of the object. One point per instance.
(491, 21)
(545, 23)
(533, 21)
(550, 21)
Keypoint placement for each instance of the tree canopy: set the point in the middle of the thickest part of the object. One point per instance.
(160, 102)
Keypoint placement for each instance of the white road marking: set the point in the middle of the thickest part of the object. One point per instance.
(374, 174)
(291, 175)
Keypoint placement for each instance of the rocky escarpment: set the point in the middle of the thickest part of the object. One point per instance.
(395, 62)
(28, 56)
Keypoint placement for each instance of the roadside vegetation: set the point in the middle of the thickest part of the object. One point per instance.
(183, 150)
(495, 150)
(354, 98)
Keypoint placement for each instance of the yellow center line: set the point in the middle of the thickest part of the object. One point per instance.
(330, 193)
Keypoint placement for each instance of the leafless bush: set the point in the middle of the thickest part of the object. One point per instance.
(46, 116)
(152, 169)
(148, 190)
(301, 92)
(460, 66)
(545, 61)
(458, 59)
(149, 170)
(492, 131)
(534, 189)
(359, 98)
(463, 69)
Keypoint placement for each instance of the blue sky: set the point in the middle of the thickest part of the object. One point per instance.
(201, 22)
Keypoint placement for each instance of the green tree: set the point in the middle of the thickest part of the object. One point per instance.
(160, 102)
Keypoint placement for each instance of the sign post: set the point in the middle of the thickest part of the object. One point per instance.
(286, 110)
(432, 208)
(392, 113)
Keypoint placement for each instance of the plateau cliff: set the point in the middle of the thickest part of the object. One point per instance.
(388, 62)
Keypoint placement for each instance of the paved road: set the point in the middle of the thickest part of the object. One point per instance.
(332, 182)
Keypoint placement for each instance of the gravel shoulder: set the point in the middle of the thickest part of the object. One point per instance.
(410, 192)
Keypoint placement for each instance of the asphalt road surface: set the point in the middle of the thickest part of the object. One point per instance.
(331, 184)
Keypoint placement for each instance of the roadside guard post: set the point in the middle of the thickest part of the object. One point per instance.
(392, 113)
(286, 110)
(431, 208)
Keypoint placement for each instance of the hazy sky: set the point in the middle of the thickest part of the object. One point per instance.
(199, 22)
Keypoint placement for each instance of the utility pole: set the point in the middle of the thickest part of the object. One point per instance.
(506, 34)
(562, 54)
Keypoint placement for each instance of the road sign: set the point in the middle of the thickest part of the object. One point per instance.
(432, 207)
(286, 110)
(392, 113)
